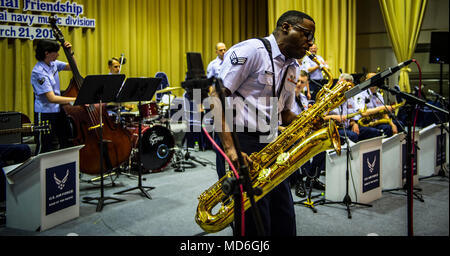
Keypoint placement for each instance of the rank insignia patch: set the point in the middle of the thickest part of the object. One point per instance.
(235, 60)
(41, 80)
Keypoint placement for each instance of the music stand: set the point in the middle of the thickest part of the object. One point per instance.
(139, 89)
(100, 89)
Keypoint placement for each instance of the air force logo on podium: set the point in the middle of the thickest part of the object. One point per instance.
(371, 170)
(60, 187)
(61, 183)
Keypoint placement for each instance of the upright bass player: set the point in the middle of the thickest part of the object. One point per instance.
(47, 96)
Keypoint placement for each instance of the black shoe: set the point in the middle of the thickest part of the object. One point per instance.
(300, 190)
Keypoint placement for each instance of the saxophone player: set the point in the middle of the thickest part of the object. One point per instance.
(248, 73)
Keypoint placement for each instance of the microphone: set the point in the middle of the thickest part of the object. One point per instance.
(376, 78)
(435, 94)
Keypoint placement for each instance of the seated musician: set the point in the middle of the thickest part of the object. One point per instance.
(346, 116)
(46, 87)
(375, 104)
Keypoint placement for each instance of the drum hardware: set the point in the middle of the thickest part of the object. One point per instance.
(179, 163)
(178, 130)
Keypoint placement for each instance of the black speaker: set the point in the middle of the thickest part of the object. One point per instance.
(439, 47)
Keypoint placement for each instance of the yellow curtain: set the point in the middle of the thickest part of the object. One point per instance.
(154, 35)
(335, 28)
(403, 20)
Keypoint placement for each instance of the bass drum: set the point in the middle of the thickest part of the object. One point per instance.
(157, 147)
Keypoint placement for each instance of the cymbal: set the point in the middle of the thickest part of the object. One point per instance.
(169, 89)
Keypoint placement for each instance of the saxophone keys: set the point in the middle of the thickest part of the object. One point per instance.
(264, 175)
(283, 158)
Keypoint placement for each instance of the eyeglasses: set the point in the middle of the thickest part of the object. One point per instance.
(308, 33)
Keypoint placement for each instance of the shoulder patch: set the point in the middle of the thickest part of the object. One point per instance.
(41, 80)
(235, 60)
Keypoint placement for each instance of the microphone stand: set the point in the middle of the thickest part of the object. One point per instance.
(231, 185)
(411, 101)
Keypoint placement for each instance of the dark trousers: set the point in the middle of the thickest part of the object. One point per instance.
(386, 128)
(351, 135)
(277, 207)
(368, 132)
(59, 132)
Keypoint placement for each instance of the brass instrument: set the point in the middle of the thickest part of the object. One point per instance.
(304, 138)
(377, 118)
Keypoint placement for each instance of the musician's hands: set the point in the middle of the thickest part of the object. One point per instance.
(355, 127)
(67, 45)
(394, 128)
(232, 155)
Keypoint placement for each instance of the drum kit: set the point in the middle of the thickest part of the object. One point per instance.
(160, 138)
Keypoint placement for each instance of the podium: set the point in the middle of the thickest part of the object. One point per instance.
(43, 191)
(430, 154)
(365, 175)
(391, 168)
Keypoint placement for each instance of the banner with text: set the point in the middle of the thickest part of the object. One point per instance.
(34, 26)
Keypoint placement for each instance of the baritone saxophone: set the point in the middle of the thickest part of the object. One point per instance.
(305, 137)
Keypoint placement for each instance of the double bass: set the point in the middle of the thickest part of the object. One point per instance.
(85, 124)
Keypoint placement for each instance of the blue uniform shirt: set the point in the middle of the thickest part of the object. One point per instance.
(348, 107)
(213, 69)
(308, 63)
(374, 100)
(44, 79)
(247, 72)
